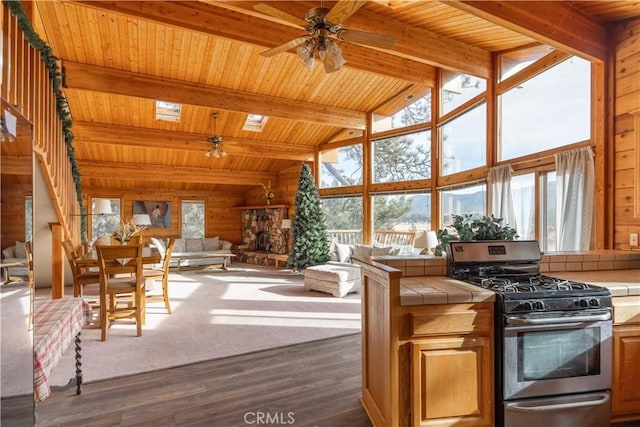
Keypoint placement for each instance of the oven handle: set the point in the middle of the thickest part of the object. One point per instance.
(524, 321)
(516, 406)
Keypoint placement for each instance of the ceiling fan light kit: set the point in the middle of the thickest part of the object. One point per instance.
(216, 149)
(324, 27)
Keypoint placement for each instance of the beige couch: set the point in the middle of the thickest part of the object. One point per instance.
(15, 253)
(195, 247)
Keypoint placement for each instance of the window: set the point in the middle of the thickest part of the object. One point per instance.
(341, 167)
(402, 212)
(548, 208)
(470, 199)
(550, 110)
(456, 89)
(192, 219)
(416, 113)
(523, 192)
(344, 218)
(28, 219)
(402, 158)
(464, 141)
(104, 225)
(514, 61)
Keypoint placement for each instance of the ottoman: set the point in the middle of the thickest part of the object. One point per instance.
(335, 278)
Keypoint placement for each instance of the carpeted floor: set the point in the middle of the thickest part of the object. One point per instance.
(215, 314)
(15, 340)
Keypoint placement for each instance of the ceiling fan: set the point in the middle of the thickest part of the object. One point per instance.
(216, 149)
(324, 26)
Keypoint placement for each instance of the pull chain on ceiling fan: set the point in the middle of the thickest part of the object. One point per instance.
(216, 149)
(324, 27)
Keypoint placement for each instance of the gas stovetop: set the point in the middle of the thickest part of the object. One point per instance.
(511, 269)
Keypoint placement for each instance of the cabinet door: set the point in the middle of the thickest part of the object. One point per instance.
(625, 392)
(452, 382)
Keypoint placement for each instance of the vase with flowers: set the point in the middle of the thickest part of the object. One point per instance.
(268, 193)
(125, 231)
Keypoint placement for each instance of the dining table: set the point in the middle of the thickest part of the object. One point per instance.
(90, 259)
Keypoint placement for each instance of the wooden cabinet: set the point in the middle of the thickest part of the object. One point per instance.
(424, 365)
(625, 389)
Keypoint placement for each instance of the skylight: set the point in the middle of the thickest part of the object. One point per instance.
(168, 111)
(254, 122)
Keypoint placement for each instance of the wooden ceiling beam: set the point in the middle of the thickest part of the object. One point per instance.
(109, 80)
(101, 133)
(145, 172)
(249, 28)
(17, 165)
(555, 23)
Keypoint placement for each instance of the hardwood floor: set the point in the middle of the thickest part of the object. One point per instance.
(309, 384)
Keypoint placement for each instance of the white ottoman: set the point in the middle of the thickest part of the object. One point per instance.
(335, 278)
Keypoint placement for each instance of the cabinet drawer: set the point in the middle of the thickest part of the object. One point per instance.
(451, 322)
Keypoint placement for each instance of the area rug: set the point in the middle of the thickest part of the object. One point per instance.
(216, 314)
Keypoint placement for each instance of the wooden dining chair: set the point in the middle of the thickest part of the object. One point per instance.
(32, 287)
(161, 274)
(81, 276)
(121, 276)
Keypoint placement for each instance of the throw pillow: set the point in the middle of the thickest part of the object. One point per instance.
(361, 250)
(9, 252)
(193, 245)
(20, 251)
(179, 245)
(333, 250)
(377, 251)
(211, 243)
(344, 252)
(225, 245)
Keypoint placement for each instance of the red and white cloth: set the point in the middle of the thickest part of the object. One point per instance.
(57, 322)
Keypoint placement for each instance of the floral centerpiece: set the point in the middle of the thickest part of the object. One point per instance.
(125, 231)
(268, 193)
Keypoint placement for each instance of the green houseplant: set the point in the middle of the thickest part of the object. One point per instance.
(474, 227)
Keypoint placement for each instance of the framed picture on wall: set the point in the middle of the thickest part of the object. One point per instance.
(159, 212)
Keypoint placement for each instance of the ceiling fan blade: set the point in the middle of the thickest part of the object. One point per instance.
(277, 13)
(342, 10)
(284, 47)
(370, 39)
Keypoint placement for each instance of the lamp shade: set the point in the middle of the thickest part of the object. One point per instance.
(420, 241)
(286, 224)
(101, 206)
(432, 239)
(141, 219)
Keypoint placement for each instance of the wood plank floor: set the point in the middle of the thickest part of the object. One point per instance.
(309, 384)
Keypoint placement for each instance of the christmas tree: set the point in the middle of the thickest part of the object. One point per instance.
(310, 243)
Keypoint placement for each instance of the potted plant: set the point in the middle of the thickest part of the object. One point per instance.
(474, 227)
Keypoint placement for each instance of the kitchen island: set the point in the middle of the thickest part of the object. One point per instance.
(427, 352)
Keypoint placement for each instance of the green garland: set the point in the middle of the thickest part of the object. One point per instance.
(62, 106)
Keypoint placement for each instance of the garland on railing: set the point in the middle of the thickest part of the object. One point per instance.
(62, 107)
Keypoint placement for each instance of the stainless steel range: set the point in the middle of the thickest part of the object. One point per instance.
(552, 337)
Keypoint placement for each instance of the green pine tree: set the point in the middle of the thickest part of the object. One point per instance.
(310, 242)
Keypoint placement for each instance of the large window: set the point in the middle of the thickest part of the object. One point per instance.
(341, 167)
(416, 113)
(469, 199)
(523, 192)
(456, 89)
(464, 141)
(104, 225)
(550, 110)
(402, 158)
(192, 219)
(402, 212)
(344, 218)
(548, 235)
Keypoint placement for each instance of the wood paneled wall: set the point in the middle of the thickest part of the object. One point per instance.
(626, 160)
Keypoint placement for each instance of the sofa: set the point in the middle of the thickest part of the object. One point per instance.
(195, 247)
(339, 276)
(15, 253)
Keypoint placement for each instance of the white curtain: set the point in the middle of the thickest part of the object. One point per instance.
(574, 199)
(500, 197)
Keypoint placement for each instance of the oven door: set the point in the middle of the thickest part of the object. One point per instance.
(554, 353)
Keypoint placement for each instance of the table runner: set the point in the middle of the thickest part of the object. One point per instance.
(57, 322)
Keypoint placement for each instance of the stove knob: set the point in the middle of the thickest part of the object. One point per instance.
(594, 302)
(526, 306)
(538, 305)
(582, 303)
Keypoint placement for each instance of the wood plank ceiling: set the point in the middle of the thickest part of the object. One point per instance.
(119, 57)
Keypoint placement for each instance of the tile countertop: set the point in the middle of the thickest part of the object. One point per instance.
(621, 283)
(440, 290)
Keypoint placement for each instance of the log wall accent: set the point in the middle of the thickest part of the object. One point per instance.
(626, 158)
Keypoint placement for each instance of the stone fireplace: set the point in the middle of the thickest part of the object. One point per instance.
(262, 229)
